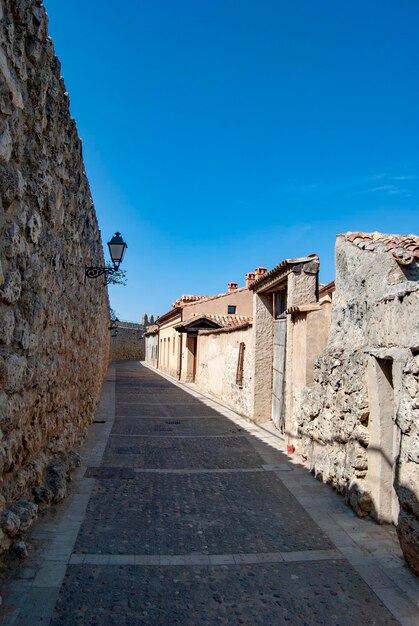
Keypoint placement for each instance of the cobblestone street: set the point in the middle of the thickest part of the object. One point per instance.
(184, 513)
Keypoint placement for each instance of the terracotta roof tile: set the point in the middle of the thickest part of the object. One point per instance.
(151, 330)
(404, 248)
(283, 264)
(228, 321)
(186, 299)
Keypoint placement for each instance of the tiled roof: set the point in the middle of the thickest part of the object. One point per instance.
(324, 289)
(282, 265)
(151, 330)
(225, 321)
(218, 295)
(227, 329)
(229, 321)
(186, 299)
(404, 248)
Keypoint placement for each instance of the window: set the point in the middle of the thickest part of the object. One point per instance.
(231, 309)
(280, 303)
(240, 364)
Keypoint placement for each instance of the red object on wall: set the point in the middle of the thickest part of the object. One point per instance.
(290, 448)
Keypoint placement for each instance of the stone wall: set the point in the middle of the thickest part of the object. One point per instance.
(54, 325)
(216, 369)
(359, 422)
(127, 342)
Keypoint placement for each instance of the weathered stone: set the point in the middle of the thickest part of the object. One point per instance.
(367, 385)
(35, 227)
(27, 513)
(408, 532)
(362, 434)
(10, 292)
(16, 370)
(406, 415)
(3, 409)
(411, 448)
(10, 523)
(359, 499)
(127, 342)
(20, 549)
(15, 243)
(6, 144)
(8, 325)
(51, 318)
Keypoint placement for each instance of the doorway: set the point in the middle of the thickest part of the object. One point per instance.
(279, 358)
(384, 441)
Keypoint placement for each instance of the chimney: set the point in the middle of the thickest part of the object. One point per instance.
(232, 287)
(250, 277)
(260, 271)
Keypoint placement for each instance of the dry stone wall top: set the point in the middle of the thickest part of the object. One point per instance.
(54, 325)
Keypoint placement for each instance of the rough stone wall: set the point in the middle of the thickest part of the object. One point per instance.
(54, 326)
(217, 367)
(363, 438)
(127, 343)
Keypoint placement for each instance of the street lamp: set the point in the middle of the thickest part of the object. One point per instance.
(117, 247)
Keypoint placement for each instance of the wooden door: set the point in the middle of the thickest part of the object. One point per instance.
(279, 357)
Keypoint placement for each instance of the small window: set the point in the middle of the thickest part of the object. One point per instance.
(231, 309)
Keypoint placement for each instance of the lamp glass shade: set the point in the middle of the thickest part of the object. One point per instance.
(117, 247)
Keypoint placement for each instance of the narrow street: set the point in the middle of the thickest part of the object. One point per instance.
(184, 513)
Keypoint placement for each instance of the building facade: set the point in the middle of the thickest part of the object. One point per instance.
(335, 367)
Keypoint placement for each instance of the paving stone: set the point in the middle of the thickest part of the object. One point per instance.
(191, 520)
(299, 594)
(207, 513)
(164, 410)
(215, 425)
(166, 453)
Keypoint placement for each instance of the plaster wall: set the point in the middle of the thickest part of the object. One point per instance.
(262, 362)
(359, 423)
(170, 348)
(151, 349)
(218, 305)
(218, 355)
(307, 338)
(54, 336)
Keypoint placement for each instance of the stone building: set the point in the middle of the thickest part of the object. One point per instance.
(334, 367)
(54, 336)
(253, 347)
(359, 420)
(178, 328)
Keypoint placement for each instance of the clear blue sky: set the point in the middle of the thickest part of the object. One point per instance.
(222, 135)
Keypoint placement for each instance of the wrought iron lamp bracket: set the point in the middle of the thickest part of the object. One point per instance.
(95, 272)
